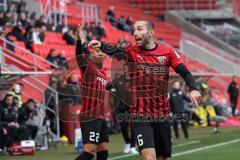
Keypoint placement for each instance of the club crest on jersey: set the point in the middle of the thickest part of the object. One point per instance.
(161, 59)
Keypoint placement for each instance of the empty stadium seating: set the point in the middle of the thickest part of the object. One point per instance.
(158, 7)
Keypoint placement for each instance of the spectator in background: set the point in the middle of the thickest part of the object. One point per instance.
(17, 32)
(92, 27)
(85, 27)
(211, 113)
(21, 8)
(7, 19)
(110, 15)
(36, 36)
(3, 140)
(90, 36)
(74, 88)
(62, 61)
(32, 19)
(16, 93)
(233, 91)
(129, 21)
(41, 21)
(129, 25)
(52, 57)
(10, 38)
(13, 8)
(99, 31)
(176, 101)
(43, 30)
(121, 23)
(26, 113)
(9, 117)
(23, 20)
(29, 37)
(14, 20)
(69, 37)
(2, 20)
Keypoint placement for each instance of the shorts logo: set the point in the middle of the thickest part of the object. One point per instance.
(161, 59)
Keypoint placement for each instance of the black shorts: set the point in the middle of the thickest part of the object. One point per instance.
(154, 135)
(94, 131)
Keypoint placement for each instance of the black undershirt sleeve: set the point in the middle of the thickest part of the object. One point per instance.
(109, 86)
(114, 51)
(80, 57)
(182, 70)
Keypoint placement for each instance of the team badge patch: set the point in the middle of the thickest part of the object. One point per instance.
(162, 59)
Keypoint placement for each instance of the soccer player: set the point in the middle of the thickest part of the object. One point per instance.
(152, 62)
(93, 126)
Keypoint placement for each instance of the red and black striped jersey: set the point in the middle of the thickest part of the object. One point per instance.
(93, 85)
(149, 73)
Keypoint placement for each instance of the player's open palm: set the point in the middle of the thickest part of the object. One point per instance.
(80, 33)
(195, 97)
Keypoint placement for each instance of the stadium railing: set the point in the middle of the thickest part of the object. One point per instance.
(56, 12)
(203, 53)
(23, 58)
(213, 49)
(193, 4)
(3, 5)
(60, 12)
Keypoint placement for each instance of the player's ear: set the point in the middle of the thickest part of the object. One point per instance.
(152, 32)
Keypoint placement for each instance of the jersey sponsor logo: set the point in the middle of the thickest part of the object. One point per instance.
(161, 59)
(152, 69)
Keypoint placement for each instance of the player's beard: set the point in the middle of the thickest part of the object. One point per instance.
(145, 41)
(97, 61)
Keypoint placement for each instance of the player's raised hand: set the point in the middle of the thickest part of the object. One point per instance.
(94, 44)
(80, 34)
(195, 97)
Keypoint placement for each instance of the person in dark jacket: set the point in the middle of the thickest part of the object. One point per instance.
(74, 88)
(176, 101)
(52, 57)
(118, 88)
(4, 140)
(18, 33)
(69, 37)
(233, 92)
(110, 15)
(62, 61)
(27, 112)
(9, 118)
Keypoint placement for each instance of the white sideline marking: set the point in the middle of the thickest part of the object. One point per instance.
(206, 147)
(122, 156)
(174, 146)
(186, 152)
(185, 144)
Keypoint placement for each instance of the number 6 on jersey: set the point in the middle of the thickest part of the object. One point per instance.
(140, 140)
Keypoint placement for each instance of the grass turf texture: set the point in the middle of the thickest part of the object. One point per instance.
(202, 136)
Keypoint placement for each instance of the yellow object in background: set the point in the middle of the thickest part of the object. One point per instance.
(211, 111)
(64, 140)
(202, 113)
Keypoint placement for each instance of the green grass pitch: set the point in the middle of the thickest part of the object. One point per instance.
(222, 146)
